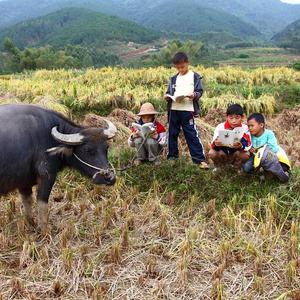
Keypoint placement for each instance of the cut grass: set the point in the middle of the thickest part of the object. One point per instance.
(157, 238)
(185, 180)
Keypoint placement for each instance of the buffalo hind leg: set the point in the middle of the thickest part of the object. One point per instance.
(26, 197)
(43, 193)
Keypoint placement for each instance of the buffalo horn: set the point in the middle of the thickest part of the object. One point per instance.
(67, 139)
(111, 130)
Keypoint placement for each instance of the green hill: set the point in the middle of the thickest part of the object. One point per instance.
(12, 12)
(76, 26)
(289, 37)
(194, 19)
(267, 16)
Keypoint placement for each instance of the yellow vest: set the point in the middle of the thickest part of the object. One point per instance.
(281, 154)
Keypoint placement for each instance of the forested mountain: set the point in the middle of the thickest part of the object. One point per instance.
(76, 26)
(196, 19)
(14, 11)
(80, 26)
(289, 37)
(268, 16)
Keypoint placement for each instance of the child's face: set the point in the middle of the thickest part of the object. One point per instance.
(235, 120)
(148, 118)
(255, 128)
(182, 67)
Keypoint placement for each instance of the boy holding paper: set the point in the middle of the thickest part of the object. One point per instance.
(183, 95)
(148, 136)
(236, 152)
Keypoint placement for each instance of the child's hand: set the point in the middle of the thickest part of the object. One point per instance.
(191, 96)
(166, 97)
(252, 150)
(237, 145)
(154, 135)
(218, 143)
(135, 135)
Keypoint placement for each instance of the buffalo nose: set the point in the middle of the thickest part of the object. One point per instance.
(110, 177)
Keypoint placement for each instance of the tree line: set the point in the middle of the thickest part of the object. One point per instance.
(14, 60)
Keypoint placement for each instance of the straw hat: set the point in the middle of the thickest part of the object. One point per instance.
(147, 109)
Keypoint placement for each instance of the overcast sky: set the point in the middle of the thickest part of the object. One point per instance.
(287, 1)
(291, 1)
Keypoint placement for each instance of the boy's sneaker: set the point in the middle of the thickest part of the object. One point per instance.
(216, 169)
(137, 162)
(262, 178)
(157, 162)
(203, 165)
(172, 158)
(240, 171)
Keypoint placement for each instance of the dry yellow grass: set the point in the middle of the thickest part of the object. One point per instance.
(119, 243)
(116, 243)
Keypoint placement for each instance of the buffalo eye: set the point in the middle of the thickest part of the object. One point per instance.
(92, 151)
(89, 149)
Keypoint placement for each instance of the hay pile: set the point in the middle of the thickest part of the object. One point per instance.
(47, 102)
(215, 116)
(98, 121)
(8, 98)
(287, 128)
(205, 131)
(123, 116)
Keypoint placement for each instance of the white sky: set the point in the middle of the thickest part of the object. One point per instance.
(291, 1)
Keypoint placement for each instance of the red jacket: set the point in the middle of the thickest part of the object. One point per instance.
(160, 129)
(246, 139)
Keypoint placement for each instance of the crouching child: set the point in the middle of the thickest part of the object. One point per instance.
(148, 146)
(265, 151)
(237, 153)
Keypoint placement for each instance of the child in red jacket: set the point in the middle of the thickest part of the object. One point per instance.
(149, 147)
(238, 153)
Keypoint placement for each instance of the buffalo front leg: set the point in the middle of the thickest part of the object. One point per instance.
(26, 197)
(43, 193)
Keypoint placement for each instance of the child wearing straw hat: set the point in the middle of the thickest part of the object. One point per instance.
(148, 146)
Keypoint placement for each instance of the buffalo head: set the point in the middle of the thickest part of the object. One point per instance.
(87, 151)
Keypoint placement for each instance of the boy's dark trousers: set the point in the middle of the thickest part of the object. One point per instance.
(184, 119)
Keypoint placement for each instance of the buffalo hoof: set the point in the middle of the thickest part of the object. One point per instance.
(30, 221)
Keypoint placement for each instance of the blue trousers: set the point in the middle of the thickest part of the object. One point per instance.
(269, 163)
(185, 120)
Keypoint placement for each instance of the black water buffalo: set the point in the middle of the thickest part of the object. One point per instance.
(35, 144)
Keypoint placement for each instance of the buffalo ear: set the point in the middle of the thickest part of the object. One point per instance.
(60, 151)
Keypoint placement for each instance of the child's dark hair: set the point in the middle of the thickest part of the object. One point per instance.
(235, 109)
(258, 117)
(180, 57)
